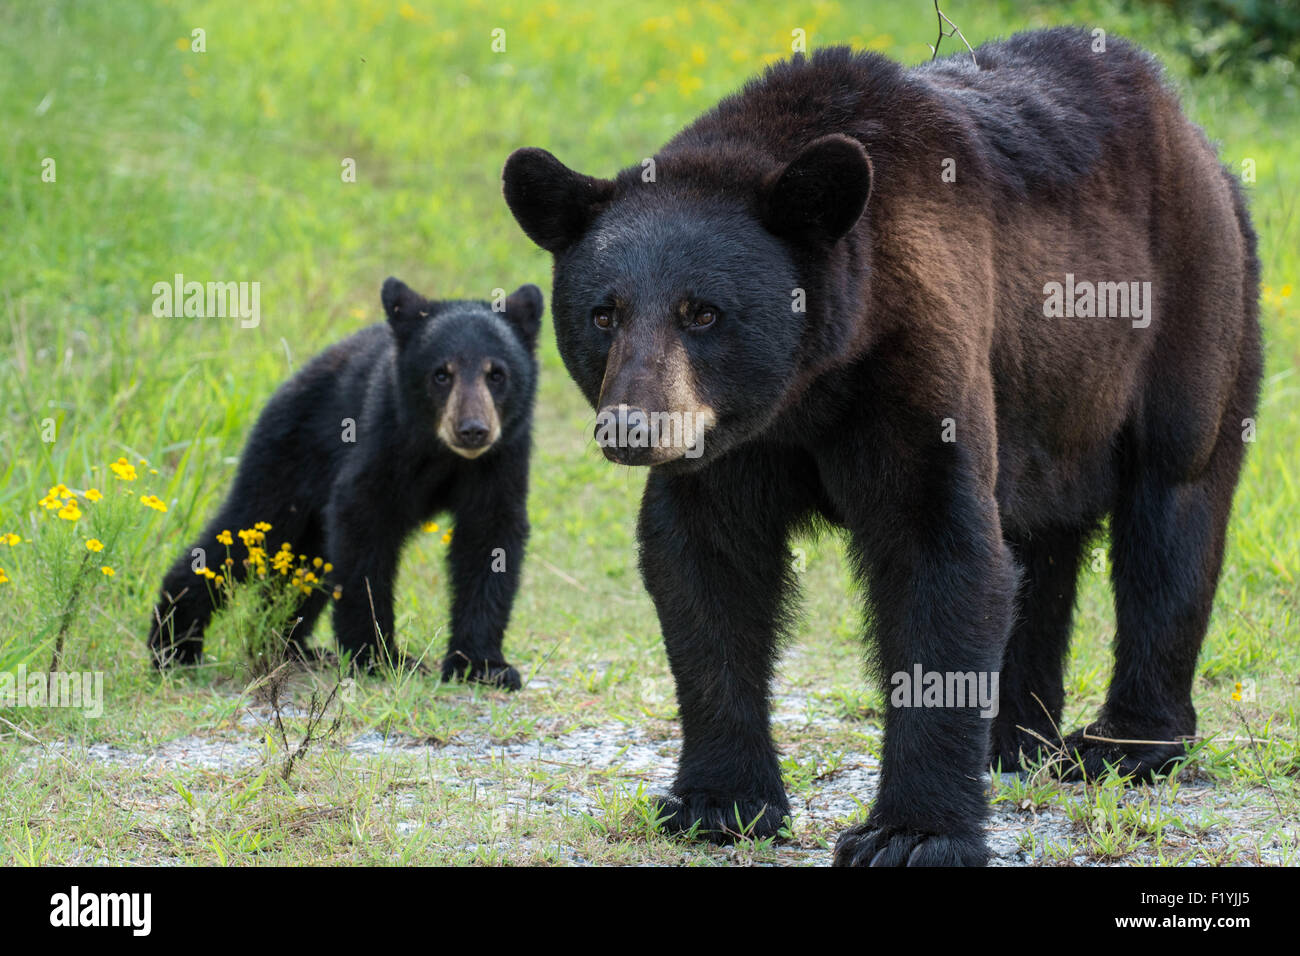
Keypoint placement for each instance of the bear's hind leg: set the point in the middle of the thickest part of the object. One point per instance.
(1032, 687)
(1167, 542)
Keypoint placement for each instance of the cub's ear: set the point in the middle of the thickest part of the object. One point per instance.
(404, 307)
(524, 313)
(821, 193)
(552, 203)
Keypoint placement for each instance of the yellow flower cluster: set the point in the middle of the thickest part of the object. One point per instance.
(304, 577)
(123, 469)
(1276, 297)
(65, 503)
(218, 579)
(431, 527)
(54, 499)
(283, 559)
(254, 535)
(4, 578)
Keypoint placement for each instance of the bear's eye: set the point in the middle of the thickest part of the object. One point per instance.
(496, 376)
(704, 317)
(604, 318)
(442, 376)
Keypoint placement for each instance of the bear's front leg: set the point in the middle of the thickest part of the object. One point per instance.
(715, 561)
(486, 558)
(364, 546)
(942, 586)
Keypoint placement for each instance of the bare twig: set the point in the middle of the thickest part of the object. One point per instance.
(955, 31)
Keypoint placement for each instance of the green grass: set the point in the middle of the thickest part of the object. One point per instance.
(226, 165)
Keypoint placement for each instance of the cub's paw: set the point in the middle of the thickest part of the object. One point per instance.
(493, 673)
(871, 844)
(1089, 758)
(722, 821)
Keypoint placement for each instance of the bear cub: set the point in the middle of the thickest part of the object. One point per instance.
(428, 412)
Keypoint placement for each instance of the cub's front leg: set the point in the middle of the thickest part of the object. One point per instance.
(486, 558)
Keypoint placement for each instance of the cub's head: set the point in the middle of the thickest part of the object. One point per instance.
(467, 370)
(686, 308)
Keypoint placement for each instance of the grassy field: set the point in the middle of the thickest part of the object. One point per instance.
(226, 165)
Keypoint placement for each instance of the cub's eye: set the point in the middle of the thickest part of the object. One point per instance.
(442, 376)
(603, 318)
(704, 317)
(496, 376)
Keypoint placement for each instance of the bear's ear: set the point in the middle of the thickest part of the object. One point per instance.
(404, 307)
(821, 193)
(524, 313)
(552, 203)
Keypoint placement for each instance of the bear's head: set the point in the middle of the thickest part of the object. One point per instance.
(690, 308)
(468, 370)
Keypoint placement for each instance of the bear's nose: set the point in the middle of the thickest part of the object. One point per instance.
(623, 433)
(471, 434)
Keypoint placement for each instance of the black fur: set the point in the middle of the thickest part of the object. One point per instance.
(925, 304)
(355, 502)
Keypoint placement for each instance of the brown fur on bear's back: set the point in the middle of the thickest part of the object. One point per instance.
(1065, 161)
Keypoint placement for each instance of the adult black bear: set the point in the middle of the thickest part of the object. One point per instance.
(430, 411)
(853, 277)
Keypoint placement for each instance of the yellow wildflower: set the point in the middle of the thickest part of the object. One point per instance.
(123, 469)
(94, 544)
(446, 538)
(225, 538)
(316, 562)
(328, 567)
(10, 539)
(154, 502)
(429, 526)
(70, 511)
(94, 494)
(4, 578)
(262, 526)
(107, 571)
(338, 593)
